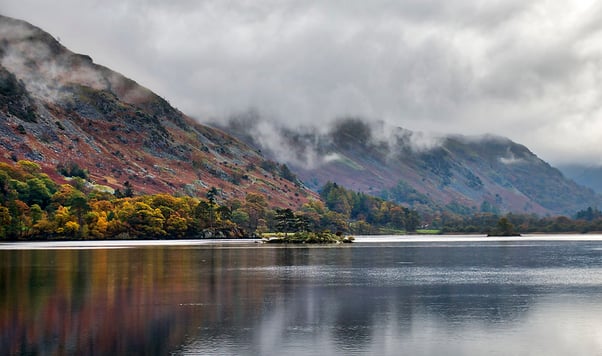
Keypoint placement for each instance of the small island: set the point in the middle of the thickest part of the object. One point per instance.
(504, 228)
(293, 229)
(306, 237)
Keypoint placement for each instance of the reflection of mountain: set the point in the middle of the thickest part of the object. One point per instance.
(263, 300)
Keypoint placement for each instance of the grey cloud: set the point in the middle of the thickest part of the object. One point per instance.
(528, 70)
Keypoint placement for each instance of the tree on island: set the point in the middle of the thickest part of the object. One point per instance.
(504, 228)
(286, 221)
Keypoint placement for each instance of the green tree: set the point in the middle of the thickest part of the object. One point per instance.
(5, 221)
(286, 173)
(211, 194)
(204, 214)
(79, 206)
(504, 227)
(36, 213)
(128, 190)
(240, 218)
(37, 193)
(19, 219)
(286, 221)
(412, 220)
(224, 212)
(143, 220)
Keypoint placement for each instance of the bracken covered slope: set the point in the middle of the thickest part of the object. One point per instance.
(59, 108)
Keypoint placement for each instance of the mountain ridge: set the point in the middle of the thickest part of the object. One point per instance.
(60, 108)
(462, 174)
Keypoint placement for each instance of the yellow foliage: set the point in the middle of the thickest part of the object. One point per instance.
(62, 215)
(176, 225)
(102, 206)
(71, 228)
(45, 226)
(63, 194)
(4, 216)
(98, 228)
(29, 167)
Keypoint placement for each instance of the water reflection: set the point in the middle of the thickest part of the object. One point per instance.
(389, 298)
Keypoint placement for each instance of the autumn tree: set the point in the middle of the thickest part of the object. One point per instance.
(142, 220)
(5, 221)
(255, 206)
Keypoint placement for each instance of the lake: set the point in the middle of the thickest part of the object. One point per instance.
(458, 295)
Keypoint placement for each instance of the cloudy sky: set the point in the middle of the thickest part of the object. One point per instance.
(528, 70)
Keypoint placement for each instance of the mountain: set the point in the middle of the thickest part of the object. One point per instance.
(62, 110)
(67, 113)
(458, 173)
(588, 176)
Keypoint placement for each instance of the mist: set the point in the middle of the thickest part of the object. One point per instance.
(310, 146)
(527, 70)
(43, 65)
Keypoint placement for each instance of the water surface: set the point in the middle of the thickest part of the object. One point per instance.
(386, 295)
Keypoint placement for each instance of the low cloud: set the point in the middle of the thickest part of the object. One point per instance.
(42, 65)
(45, 66)
(311, 146)
(511, 160)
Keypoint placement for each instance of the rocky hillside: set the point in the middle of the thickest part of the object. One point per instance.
(457, 173)
(60, 109)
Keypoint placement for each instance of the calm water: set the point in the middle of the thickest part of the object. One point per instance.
(379, 296)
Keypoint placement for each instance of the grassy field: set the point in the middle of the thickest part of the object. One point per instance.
(428, 232)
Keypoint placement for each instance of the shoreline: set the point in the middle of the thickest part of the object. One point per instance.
(115, 244)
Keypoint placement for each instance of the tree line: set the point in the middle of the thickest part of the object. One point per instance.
(368, 214)
(33, 206)
(583, 221)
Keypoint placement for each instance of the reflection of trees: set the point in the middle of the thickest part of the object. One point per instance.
(154, 300)
(126, 301)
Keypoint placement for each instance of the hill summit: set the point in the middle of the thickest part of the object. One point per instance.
(65, 112)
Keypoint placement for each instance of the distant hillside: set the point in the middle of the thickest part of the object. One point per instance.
(60, 109)
(456, 173)
(588, 176)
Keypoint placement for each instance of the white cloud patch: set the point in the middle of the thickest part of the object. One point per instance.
(511, 160)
